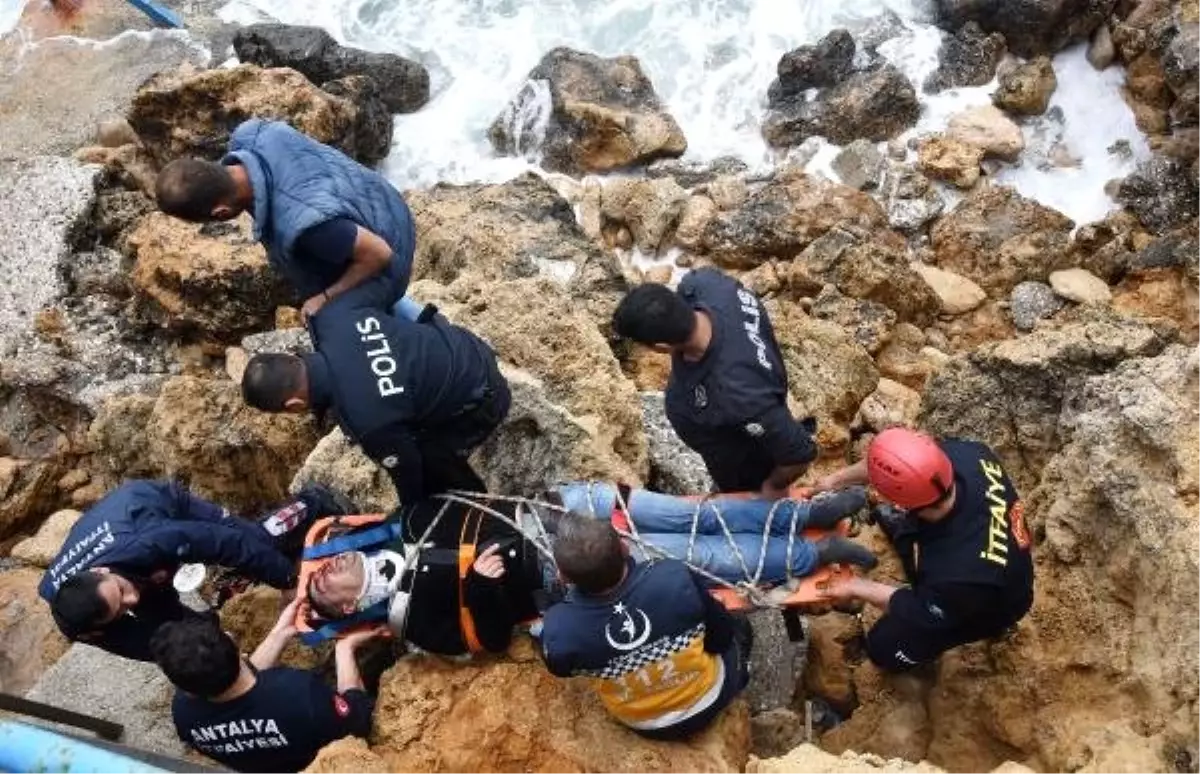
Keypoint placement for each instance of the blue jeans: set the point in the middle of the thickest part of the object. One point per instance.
(407, 309)
(665, 522)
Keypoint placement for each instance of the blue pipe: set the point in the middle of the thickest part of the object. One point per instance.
(163, 17)
(29, 748)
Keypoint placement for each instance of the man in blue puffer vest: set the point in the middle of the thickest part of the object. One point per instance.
(328, 223)
(111, 583)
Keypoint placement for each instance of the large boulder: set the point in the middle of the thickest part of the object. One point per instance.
(987, 128)
(829, 374)
(512, 715)
(585, 113)
(533, 325)
(54, 93)
(1025, 90)
(1009, 394)
(810, 758)
(193, 113)
(909, 198)
(338, 463)
(674, 468)
(40, 549)
(876, 103)
(519, 229)
(650, 209)
(969, 57)
(952, 161)
(863, 268)
(29, 640)
(1030, 28)
(783, 216)
(1161, 193)
(997, 238)
(212, 279)
(403, 84)
(201, 432)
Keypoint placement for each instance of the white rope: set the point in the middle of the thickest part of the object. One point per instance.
(749, 588)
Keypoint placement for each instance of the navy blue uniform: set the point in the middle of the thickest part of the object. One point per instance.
(971, 572)
(661, 652)
(278, 725)
(417, 395)
(731, 405)
(143, 530)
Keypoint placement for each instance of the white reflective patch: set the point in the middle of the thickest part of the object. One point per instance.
(755, 429)
(391, 461)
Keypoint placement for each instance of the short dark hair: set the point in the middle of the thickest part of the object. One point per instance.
(654, 314)
(78, 608)
(191, 188)
(272, 379)
(196, 655)
(588, 553)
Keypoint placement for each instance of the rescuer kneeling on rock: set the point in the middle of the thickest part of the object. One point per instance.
(962, 539)
(250, 714)
(417, 394)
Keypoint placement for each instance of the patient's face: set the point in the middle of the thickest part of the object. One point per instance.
(336, 586)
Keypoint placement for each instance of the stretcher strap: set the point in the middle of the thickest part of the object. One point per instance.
(466, 558)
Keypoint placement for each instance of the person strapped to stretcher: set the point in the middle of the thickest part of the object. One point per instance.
(455, 573)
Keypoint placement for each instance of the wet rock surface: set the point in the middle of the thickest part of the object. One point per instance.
(585, 113)
(969, 57)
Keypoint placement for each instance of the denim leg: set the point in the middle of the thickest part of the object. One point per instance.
(407, 309)
(715, 555)
(661, 513)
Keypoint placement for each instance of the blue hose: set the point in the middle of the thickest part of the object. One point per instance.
(163, 17)
(29, 748)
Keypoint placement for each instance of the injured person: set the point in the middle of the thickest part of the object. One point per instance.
(475, 576)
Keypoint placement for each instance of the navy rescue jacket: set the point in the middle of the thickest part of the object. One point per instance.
(731, 405)
(391, 380)
(300, 183)
(143, 530)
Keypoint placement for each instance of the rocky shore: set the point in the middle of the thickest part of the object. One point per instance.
(914, 288)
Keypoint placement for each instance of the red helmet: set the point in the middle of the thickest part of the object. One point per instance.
(908, 468)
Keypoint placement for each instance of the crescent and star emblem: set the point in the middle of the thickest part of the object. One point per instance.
(628, 631)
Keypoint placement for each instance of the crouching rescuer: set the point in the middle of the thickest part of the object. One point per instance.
(959, 529)
(664, 656)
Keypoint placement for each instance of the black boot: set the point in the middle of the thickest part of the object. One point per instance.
(836, 549)
(325, 501)
(828, 508)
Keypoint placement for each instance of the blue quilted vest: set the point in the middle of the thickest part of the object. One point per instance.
(300, 183)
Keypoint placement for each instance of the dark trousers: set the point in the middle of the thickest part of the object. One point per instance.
(446, 447)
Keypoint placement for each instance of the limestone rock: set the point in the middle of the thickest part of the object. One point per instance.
(969, 57)
(41, 549)
(956, 293)
(249, 617)
(293, 340)
(55, 92)
(869, 322)
(348, 754)
(891, 404)
(863, 268)
(874, 104)
(998, 238)
(1009, 394)
(775, 732)
(909, 198)
(201, 432)
(212, 279)
(193, 114)
(1025, 89)
(988, 128)
(649, 208)
(519, 229)
(1080, 286)
(586, 113)
(859, 165)
(674, 468)
(784, 216)
(830, 374)
(810, 758)
(901, 360)
(953, 161)
(1162, 193)
(1165, 293)
(827, 63)
(337, 463)
(1101, 53)
(1034, 28)
(29, 639)
(403, 84)
(436, 716)
(28, 491)
(1032, 301)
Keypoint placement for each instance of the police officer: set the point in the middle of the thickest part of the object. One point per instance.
(961, 536)
(417, 394)
(328, 222)
(111, 583)
(727, 395)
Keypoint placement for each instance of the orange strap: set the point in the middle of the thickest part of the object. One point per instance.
(466, 558)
